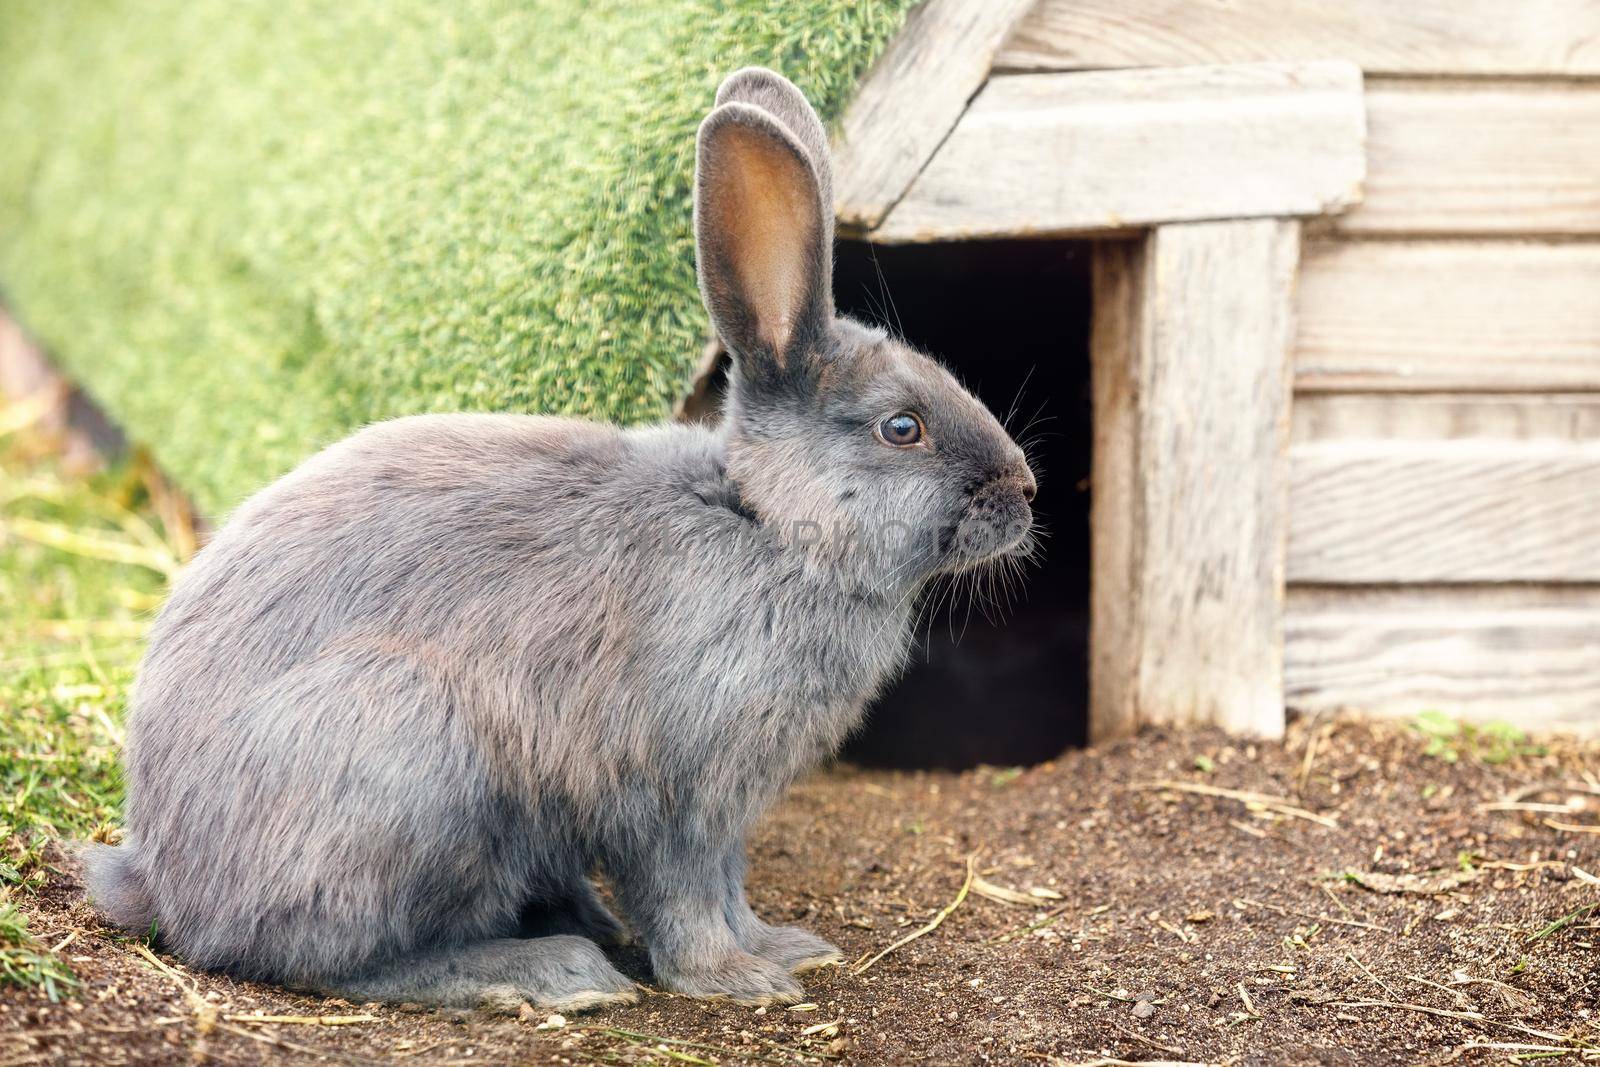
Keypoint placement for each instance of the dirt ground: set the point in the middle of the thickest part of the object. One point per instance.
(1153, 923)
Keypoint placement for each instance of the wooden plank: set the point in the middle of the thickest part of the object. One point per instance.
(1099, 152)
(1480, 158)
(1382, 36)
(1119, 338)
(911, 99)
(1507, 316)
(1443, 416)
(1191, 388)
(1529, 656)
(1444, 511)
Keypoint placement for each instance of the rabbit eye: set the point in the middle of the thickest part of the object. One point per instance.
(901, 430)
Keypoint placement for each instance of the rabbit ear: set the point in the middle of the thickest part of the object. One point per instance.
(765, 260)
(780, 98)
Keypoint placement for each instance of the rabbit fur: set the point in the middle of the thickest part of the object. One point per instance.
(414, 695)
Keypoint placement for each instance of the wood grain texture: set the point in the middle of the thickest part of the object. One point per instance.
(1530, 656)
(911, 99)
(1516, 316)
(1374, 511)
(1480, 158)
(1101, 152)
(1119, 338)
(1190, 351)
(1445, 416)
(1382, 36)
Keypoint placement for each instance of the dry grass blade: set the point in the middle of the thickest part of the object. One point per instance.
(1455, 994)
(206, 1015)
(190, 993)
(1274, 804)
(73, 629)
(1134, 1035)
(1546, 809)
(94, 546)
(862, 966)
(1571, 827)
(1465, 1016)
(303, 1020)
(1314, 736)
(1247, 902)
(1524, 792)
(665, 1045)
(1001, 894)
(1364, 970)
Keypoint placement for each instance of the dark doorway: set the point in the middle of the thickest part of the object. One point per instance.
(1011, 319)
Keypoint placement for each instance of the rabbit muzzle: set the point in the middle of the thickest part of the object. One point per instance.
(997, 518)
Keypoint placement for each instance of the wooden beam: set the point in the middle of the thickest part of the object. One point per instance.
(1498, 316)
(1191, 391)
(1527, 655)
(1480, 158)
(1375, 511)
(1100, 152)
(911, 99)
(1382, 36)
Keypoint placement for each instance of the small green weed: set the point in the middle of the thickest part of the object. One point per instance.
(1449, 739)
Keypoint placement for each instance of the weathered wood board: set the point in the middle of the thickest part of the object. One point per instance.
(1191, 389)
(1530, 656)
(1480, 158)
(1106, 151)
(911, 99)
(1442, 416)
(1510, 316)
(1382, 36)
(1395, 511)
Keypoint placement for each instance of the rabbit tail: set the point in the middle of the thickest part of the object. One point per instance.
(117, 886)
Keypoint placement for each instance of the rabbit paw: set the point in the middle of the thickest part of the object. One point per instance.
(794, 949)
(739, 977)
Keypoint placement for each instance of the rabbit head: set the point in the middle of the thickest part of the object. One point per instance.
(839, 436)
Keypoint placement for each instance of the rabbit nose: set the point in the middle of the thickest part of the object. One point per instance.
(1030, 485)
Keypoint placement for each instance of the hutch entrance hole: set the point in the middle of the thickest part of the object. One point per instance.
(1011, 320)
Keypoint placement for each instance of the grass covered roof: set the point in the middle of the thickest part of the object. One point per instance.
(250, 226)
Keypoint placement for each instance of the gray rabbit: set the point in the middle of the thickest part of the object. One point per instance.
(416, 693)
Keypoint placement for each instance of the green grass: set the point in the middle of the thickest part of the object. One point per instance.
(250, 226)
(83, 563)
(24, 962)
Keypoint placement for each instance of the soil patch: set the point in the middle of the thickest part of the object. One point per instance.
(1108, 919)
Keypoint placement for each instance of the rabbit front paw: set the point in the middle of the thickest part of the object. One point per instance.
(739, 977)
(794, 949)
